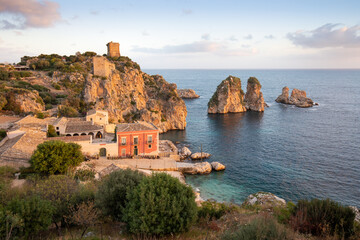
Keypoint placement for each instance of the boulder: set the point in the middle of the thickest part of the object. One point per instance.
(297, 98)
(216, 166)
(254, 100)
(28, 101)
(265, 200)
(187, 93)
(228, 97)
(185, 153)
(197, 168)
(357, 213)
(199, 156)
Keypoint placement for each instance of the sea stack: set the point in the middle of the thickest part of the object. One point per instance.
(254, 100)
(297, 98)
(228, 97)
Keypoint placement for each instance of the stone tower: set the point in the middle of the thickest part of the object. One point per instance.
(113, 49)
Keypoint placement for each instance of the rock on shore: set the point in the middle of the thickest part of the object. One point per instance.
(228, 97)
(187, 93)
(297, 98)
(254, 100)
(185, 153)
(216, 166)
(357, 213)
(265, 200)
(197, 168)
(199, 156)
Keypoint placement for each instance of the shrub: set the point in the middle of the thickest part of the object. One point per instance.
(67, 111)
(85, 174)
(48, 106)
(323, 217)
(40, 115)
(34, 212)
(51, 132)
(260, 228)
(213, 210)
(54, 157)
(160, 205)
(284, 214)
(111, 196)
(254, 81)
(3, 134)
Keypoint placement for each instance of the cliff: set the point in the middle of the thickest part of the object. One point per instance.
(228, 97)
(254, 99)
(297, 98)
(131, 95)
(187, 93)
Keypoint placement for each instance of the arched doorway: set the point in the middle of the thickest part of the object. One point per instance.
(102, 152)
(76, 134)
(136, 151)
(68, 135)
(98, 135)
(83, 134)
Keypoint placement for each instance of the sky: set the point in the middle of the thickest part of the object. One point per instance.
(189, 34)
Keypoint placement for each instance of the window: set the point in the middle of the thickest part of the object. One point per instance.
(123, 152)
(57, 128)
(90, 119)
(136, 140)
(149, 138)
(100, 118)
(123, 141)
(150, 146)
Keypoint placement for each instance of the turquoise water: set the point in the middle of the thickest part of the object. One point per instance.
(292, 152)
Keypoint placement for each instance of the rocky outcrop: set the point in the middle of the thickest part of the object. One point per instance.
(185, 153)
(131, 95)
(187, 93)
(197, 168)
(199, 156)
(297, 98)
(265, 200)
(216, 166)
(357, 213)
(228, 97)
(29, 101)
(254, 100)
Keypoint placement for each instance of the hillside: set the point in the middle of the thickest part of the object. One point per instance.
(67, 84)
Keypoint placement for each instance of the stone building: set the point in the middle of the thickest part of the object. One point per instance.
(102, 67)
(77, 127)
(113, 49)
(98, 117)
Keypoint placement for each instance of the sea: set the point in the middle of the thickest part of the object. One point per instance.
(295, 153)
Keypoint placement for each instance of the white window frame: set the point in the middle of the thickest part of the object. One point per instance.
(123, 143)
(137, 137)
(150, 136)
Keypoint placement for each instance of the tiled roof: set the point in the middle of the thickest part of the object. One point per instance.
(138, 126)
(70, 139)
(81, 126)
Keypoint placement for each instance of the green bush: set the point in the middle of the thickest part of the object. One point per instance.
(56, 157)
(48, 106)
(51, 132)
(34, 212)
(284, 214)
(85, 174)
(160, 205)
(213, 210)
(111, 196)
(261, 228)
(3, 134)
(40, 115)
(323, 218)
(253, 80)
(67, 111)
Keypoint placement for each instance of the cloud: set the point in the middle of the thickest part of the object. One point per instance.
(328, 35)
(145, 33)
(205, 36)
(269, 36)
(94, 12)
(186, 11)
(248, 37)
(18, 33)
(202, 46)
(21, 14)
(233, 38)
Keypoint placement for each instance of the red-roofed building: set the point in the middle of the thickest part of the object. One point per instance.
(139, 138)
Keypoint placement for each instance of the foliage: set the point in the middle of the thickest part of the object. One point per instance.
(67, 111)
(3, 101)
(35, 214)
(322, 218)
(283, 214)
(85, 174)
(40, 115)
(160, 205)
(258, 229)
(51, 132)
(54, 157)
(253, 80)
(9, 222)
(211, 209)
(3, 134)
(59, 190)
(111, 197)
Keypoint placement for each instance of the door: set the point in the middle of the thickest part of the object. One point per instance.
(102, 152)
(135, 151)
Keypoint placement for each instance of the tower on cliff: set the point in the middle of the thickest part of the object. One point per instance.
(113, 49)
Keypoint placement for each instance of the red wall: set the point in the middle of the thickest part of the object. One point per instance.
(143, 146)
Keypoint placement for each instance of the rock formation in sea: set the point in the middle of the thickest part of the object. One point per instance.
(129, 95)
(199, 155)
(187, 93)
(197, 168)
(297, 98)
(228, 97)
(185, 153)
(216, 166)
(254, 99)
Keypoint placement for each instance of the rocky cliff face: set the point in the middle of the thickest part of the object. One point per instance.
(29, 101)
(228, 97)
(254, 100)
(131, 95)
(187, 93)
(297, 98)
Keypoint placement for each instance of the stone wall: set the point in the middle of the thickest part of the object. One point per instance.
(113, 49)
(102, 66)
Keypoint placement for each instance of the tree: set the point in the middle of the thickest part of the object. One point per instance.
(51, 131)
(160, 205)
(111, 196)
(56, 157)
